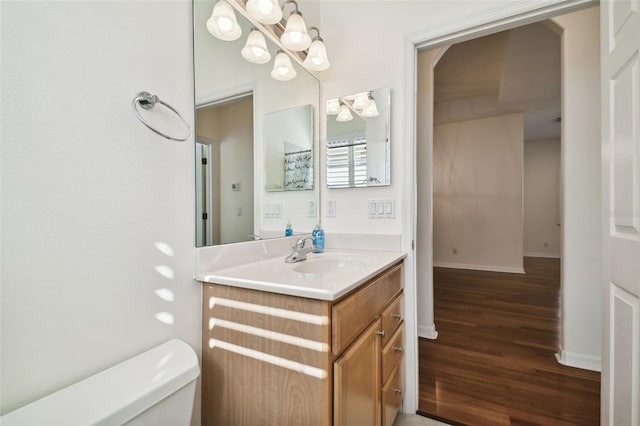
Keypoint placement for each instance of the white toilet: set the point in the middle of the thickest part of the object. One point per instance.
(156, 387)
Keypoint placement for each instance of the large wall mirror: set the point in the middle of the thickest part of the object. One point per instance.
(358, 141)
(256, 141)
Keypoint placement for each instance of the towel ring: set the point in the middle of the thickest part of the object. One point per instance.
(147, 101)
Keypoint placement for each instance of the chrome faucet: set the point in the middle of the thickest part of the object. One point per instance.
(300, 252)
(254, 237)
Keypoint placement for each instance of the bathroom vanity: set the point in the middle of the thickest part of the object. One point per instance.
(320, 345)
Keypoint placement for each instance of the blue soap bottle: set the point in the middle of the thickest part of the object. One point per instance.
(288, 231)
(317, 235)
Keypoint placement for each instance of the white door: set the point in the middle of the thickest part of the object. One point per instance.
(620, 25)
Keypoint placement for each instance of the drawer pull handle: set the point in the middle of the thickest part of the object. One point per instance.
(397, 316)
(380, 333)
(398, 391)
(398, 349)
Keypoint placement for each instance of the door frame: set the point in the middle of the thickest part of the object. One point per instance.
(495, 20)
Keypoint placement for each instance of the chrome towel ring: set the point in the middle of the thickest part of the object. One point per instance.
(147, 101)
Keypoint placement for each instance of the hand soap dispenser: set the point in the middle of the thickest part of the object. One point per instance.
(317, 235)
(288, 231)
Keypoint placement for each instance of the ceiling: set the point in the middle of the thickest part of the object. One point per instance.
(518, 70)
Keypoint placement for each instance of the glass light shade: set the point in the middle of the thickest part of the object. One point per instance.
(265, 11)
(333, 107)
(317, 59)
(361, 101)
(223, 23)
(255, 49)
(282, 68)
(344, 114)
(295, 36)
(371, 110)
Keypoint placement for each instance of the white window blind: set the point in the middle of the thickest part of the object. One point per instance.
(347, 162)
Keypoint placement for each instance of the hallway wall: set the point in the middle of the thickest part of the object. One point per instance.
(542, 208)
(477, 194)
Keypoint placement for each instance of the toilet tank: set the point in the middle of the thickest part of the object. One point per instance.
(156, 387)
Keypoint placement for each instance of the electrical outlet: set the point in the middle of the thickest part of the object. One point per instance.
(331, 208)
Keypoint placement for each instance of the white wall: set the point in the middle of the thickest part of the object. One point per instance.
(367, 53)
(97, 211)
(477, 194)
(581, 240)
(542, 198)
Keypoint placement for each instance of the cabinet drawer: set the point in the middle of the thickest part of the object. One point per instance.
(392, 317)
(392, 394)
(354, 313)
(392, 353)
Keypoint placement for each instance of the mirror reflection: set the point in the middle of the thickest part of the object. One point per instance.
(237, 199)
(289, 149)
(358, 144)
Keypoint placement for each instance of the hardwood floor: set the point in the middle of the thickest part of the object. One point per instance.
(493, 361)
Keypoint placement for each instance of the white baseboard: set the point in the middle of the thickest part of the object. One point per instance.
(490, 268)
(573, 359)
(547, 255)
(427, 331)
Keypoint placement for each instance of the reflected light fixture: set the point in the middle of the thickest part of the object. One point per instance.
(361, 101)
(333, 107)
(295, 36)
(223, 23)
(265, 11)
(282, 68)
(317, 59)
(370, 110)
(344, 114)
(255, 50)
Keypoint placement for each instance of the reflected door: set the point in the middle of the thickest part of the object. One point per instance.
(204, 230)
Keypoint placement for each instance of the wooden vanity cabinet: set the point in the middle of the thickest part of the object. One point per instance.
(283, 360)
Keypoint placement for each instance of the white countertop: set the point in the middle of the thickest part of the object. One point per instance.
(323, 276)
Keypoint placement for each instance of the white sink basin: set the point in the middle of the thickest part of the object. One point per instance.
(324, 276)
(333, 263)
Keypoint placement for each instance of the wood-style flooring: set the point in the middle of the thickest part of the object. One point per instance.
(493, 362)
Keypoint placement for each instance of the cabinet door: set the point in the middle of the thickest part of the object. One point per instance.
(356, 389)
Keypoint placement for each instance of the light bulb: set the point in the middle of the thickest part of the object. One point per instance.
(223, 23)
(255, 50)
(333, 106)
(295, 36)
(265, 6)
(265, 11)
(282, 68)
(370, 110)
(344, 114)
(361, 101)
(317, 59)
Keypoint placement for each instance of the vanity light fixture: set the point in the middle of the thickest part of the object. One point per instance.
(317, 59)
(282, 68)
(265, 11)
(255, 50)
(344, 114)
(295, 36)
(370, 110)
(267, 18)
(223, 23)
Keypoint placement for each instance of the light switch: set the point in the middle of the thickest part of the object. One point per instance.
(388, 207)
(379, 208)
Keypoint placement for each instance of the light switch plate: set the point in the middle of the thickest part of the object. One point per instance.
(331, 208)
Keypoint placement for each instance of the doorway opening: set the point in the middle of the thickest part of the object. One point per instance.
(464, 205)
(224, 171)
